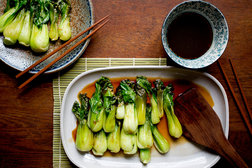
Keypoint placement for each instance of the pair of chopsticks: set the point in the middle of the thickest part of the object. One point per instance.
(243, 113)
(62, 55)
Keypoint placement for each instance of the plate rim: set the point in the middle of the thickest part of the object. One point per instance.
(226, 131)
(64, 66)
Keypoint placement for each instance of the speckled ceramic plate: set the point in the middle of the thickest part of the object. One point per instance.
(20, 58)
(219, 27)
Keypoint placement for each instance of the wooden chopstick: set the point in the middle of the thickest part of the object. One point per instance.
(241, 90)
(61, 56)
(247, 122)
(59, 48)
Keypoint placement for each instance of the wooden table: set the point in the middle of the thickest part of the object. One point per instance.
(134, 30)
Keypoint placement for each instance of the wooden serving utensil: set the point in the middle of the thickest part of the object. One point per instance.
(202, 125)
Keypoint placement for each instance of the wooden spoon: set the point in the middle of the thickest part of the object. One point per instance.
(201, 125)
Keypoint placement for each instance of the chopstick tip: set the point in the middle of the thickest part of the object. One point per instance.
(21, 86)
(18, 75)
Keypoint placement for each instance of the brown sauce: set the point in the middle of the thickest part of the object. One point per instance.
(179, 87)
(189, 35)
(74, 132)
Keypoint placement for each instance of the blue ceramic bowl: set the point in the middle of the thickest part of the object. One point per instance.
(219, 29)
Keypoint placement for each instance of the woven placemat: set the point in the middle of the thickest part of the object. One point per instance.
(61, 82)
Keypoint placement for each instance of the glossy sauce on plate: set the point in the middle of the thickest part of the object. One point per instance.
(179, 87)
(189, 35)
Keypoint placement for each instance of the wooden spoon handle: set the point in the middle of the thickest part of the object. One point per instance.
(228, 152)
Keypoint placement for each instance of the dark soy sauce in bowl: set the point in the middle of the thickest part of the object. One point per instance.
(189, 35)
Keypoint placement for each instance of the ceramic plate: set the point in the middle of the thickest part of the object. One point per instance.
(20, 58)
(184, 155)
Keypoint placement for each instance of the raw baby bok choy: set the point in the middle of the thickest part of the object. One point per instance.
(84, 136)
(13, 7)
(12, 30)
(54, 16)
(39, 41)
(64, 25)
(25, 34)
(26, 21)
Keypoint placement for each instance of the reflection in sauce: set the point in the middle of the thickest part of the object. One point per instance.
(190, 35)
(179, 85)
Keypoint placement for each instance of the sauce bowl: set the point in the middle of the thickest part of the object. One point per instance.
(219, 29)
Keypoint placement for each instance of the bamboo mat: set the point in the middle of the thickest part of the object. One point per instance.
(61, 82)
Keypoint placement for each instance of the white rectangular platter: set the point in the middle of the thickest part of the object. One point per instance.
(184, 155)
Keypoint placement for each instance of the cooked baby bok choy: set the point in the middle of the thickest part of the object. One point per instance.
(100, 143)
(141, 98)
(96, 112)
(130, 122)
(12, 30)
(143, 82)
(120, 110)
(145, 155)
(174, 125)
(114, 138)
(84, 136)
(158, 91)
(144, 136)
(109, 101)
(160, 142)
(109, 121)
(64, 25)
(128, 142)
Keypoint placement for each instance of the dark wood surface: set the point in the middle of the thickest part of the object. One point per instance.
(134, 30)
